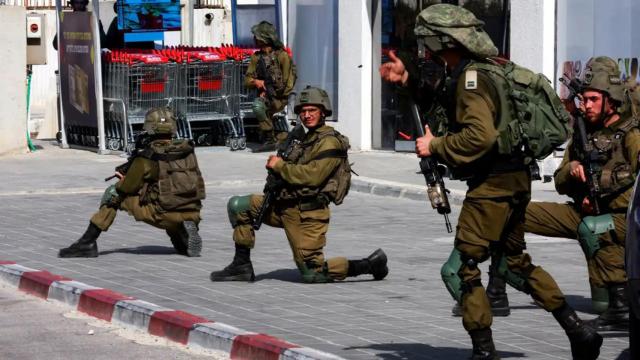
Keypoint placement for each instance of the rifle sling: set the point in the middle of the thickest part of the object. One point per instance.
(331, 153)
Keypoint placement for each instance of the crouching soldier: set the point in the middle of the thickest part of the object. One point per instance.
(310, 171)
(161, 184)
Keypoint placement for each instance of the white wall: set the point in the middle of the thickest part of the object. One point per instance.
(44, 111)
(532, 37)
(355, 72)
(13, 62)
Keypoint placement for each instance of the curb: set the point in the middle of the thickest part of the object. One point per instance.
(175, 325)
(399, 190)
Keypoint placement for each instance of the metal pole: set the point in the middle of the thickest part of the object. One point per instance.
(97, 76)
(63, 133)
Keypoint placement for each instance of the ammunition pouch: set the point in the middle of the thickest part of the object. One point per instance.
(589, 231)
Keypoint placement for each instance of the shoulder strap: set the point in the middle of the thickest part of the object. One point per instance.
(331, 153)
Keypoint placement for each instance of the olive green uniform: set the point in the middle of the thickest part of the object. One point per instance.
(139, 197)
(283, 61)
(562, 220)
(305, 219)
(492, 217)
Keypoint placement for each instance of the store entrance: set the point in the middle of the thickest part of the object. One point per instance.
(397, 22)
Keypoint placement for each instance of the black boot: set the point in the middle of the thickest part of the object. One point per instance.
(85, 246)
(585, 341)
(483, 348)
(375, 264)
(616, 317)
(187, 240)
(497, 294)
(269, 143)
(240, 268)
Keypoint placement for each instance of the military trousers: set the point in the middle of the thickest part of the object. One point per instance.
(493, 225)
(562, 220)
(306, 231)
(151, 214)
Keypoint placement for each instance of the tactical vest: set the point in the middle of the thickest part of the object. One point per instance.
(274, 71)
(180, 185)
(336, 186)
(614, 169)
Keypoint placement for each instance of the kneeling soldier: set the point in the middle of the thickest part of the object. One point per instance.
(161, 185)
(312, 171)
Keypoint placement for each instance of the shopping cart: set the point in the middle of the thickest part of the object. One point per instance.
(133, 84)
(205, 82)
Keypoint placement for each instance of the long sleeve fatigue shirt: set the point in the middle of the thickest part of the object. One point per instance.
(307, 172)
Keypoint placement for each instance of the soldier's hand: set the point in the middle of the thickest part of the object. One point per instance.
(259, 84)
(577, 171)
(394, 71)
(422, 143)
(119, 175)
(587, 207)
(273, 161)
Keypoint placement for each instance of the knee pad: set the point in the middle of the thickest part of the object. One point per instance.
(235, 206)
(589, 231)
(110, 197)
(450, 277)
(311, 276)
(518, 281)
(259, 109)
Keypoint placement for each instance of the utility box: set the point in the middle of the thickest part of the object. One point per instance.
(36, 42)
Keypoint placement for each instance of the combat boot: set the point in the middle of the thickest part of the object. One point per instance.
(616, 317)
(269, 143)
(483, 347)
(375, 264)
(240, 268)
(585, 341)
(497, 294)
(86, 246)
(187, 240)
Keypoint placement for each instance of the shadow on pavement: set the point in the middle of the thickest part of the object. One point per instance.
(424, 351)
(143, 250)
(580, 303)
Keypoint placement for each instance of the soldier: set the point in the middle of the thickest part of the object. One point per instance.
(161, 185)
(613, 132)
(271, 71)
(491, 221)
(302, 206)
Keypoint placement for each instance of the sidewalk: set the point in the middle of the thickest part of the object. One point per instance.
(49, 196)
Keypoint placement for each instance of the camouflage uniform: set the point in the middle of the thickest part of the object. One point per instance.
(618, 146)
(491, 221)
(278, 64)
(138, 192)
(300, 208)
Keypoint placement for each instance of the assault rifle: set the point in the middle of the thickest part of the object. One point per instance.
(432, 171)
(586, 152)
(263, 74)
(142, 140)
(274, 182)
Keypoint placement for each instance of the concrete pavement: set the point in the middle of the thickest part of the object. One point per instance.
(49, 196)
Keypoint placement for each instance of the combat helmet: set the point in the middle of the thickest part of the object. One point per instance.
(160, 121)
(602, 74)
(265, 32)
(444, 26)
(313, 96)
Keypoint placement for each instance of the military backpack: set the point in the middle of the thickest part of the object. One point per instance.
(180, 183)
(337, 185)
(532, 119)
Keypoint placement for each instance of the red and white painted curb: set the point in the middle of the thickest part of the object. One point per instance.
(179, 326)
